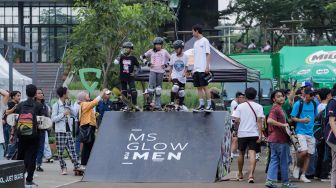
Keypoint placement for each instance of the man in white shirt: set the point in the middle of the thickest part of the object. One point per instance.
(249, 116)
(201, 68)
(3, 107)
(252, 45)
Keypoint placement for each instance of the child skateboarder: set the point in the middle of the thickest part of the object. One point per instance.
(127, 64)
(158, 62)
(178, 69)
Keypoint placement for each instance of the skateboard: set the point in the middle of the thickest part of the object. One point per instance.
(44, 122)
(11, 119)
(130, 106)
(294, 139)
(170, 108)
(78, 172)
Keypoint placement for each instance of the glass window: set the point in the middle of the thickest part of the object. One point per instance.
(232, 88)
(13, 34)
(2, 20)
(2, 11)
(47, 43)
(8, 11)
(35, 11)
(61, 16)
(26, 11)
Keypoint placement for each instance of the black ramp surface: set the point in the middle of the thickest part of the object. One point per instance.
(157, 147)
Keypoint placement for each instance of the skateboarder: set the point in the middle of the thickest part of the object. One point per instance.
(201, 68)
(178, 69)
(61, 112)
(158, 62)
(127, 64)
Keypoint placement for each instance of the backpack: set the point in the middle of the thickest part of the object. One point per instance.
(217, 105)
(300, 110)
(27, 122)
(320, 125)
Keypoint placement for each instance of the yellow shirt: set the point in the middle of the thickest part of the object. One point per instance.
(87, 114)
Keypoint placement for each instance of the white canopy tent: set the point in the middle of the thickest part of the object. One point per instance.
(19, 80)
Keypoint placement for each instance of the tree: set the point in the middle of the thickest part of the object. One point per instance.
(104, 25)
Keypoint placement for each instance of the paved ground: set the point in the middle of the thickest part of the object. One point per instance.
(52, 178)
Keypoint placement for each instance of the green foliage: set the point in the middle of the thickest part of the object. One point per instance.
(105, 25)
(52, 140)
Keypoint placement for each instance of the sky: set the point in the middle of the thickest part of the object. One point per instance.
(222, 4)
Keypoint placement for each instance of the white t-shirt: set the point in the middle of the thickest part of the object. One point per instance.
(179, 65)
(233, 105)
(248, 126)
(3, 107)
(321, 107)
(201, 48)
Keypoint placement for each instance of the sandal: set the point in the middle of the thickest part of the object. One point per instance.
(250, 179)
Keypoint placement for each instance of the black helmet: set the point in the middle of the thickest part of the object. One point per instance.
(128, 45)
(158, 40)
(178, 44)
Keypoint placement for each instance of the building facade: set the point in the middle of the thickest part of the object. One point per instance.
(39, 24)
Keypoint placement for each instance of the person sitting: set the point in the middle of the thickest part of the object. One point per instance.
(267, 47)
(252, 45)
(239, 46)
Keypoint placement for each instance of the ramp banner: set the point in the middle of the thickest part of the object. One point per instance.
(157, 147)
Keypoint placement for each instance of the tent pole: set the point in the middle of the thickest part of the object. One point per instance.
(10, 64)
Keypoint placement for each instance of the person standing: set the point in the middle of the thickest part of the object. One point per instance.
(61, 112)
(87, 122)
(10, 149)
(103, 106)
(3, 107)
(40, 99)
(279, 143)
(27, 133)
(248, 116)
(159, 58)
(304, 113)
(178, 69)
(330, 134)
(252, 45)
(240, 98)
(201, 68)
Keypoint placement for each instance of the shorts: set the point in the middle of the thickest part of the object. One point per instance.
(199, 79)
(250, 143)
(307, 143)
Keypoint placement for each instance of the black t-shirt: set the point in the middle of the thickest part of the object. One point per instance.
(127, 64)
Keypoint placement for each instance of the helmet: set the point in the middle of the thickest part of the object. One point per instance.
(158, 40)
(178, 44)
(128, 45)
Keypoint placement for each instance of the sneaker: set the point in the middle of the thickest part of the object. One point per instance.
(183, 108)
(304, 179)
(270, 184)
(64, 171)
(288, 185)
(125, 109)
(296, 172)
(250, 180)
(31, 183)
(325, 180)
(51, 160)
(209, 109)
(39, 169)
(199, 109)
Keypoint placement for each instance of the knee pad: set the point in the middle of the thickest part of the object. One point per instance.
(181, 93)
(175, 88)
(150, 91)
(158, 91)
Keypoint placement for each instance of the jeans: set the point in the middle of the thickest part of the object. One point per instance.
(77, 146)
(47, 151)
(41, 149)
(155, 80)
(323, 166)
(312, 165)
(6, 130)
(11, 150)
(279, 156)
(2, 151)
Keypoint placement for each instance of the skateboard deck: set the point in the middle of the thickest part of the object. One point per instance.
(11, 119)
(44, 122)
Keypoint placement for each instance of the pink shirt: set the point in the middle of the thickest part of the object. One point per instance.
(158, 59)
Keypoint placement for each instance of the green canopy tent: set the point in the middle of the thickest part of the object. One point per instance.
(318, 73)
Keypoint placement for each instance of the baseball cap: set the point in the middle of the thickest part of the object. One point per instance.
(309, 90)
(306, 84)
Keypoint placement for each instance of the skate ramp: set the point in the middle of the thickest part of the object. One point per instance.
(157, 147)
